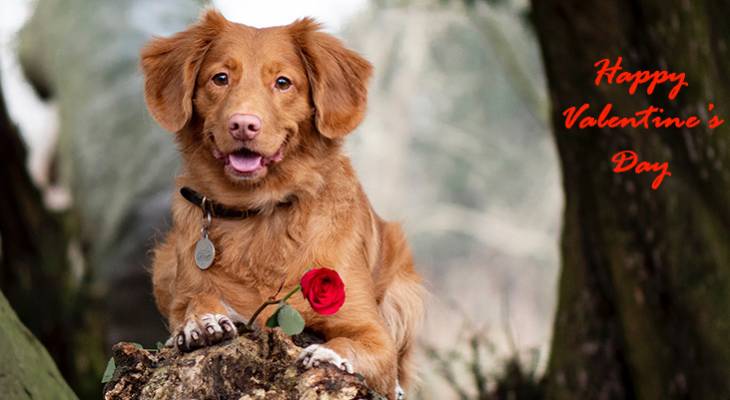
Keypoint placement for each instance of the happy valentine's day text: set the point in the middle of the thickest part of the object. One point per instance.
(648, 118)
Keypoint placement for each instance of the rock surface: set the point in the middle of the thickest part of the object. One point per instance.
(256, 365)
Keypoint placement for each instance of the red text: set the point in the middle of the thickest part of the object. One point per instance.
(653, 78)
(628, 160)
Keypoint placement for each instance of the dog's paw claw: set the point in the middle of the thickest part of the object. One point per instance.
(229, 329)
(207, 330)
(316, 354)
(192, 337)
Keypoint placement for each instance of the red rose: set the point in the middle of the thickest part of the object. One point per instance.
(324, 290)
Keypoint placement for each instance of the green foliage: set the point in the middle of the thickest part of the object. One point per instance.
(111, 366)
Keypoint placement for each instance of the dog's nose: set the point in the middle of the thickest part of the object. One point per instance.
(244, 126)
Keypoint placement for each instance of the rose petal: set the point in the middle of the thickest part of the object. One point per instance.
(324, 290)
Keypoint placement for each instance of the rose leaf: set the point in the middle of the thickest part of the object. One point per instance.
(290, 321)
(273, 320)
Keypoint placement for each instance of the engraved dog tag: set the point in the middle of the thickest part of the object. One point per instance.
(204, 253)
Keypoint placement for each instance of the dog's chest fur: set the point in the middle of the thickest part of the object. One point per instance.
(266, 251)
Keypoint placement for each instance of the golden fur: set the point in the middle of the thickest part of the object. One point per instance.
(330, 223)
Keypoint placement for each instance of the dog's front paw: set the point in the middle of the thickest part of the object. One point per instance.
(315, 354)
(206, 330)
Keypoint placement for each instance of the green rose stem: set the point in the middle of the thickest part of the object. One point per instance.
(270, 302)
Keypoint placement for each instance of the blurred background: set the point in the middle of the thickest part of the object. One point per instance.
(459, 144)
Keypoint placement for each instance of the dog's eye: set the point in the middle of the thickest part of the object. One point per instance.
(283, 83)
(220, 79)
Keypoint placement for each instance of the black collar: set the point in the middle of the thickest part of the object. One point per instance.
(219, 210)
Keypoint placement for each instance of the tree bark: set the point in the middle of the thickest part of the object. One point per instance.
(256, 365)
(26, 369)
(645, 284)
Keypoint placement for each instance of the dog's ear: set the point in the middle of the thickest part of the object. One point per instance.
(170, 67)
(338, 78)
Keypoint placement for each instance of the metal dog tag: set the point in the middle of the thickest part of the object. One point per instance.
(204, 249)
(204, 253)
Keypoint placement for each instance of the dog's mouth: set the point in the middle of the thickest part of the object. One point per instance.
(246, 162)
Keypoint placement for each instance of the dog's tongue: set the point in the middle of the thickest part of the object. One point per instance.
(245, 161)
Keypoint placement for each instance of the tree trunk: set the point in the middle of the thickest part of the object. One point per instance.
(117, 164)
(26, 369)
(256, 365)
(645, 285)
(35, 272)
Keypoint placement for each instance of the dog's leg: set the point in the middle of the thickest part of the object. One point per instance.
(164, 269)
(197, 320)
(402, 309)
(368, 352)
(402, 303)
(356, 341)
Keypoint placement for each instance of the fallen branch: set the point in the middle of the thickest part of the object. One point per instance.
(256, 365)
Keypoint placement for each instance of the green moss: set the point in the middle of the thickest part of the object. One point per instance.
(26, 369)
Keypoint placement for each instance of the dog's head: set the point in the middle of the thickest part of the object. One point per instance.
(244, 101)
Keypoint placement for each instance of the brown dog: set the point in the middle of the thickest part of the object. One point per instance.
(260, 115)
